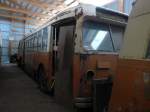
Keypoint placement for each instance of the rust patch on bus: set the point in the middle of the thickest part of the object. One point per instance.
(84, 63)
(128, 93)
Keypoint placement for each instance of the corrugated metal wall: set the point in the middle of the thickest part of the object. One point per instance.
(9, 31)
(5, 32)
(5, 48)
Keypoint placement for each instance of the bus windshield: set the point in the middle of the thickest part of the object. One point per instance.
(102, 37)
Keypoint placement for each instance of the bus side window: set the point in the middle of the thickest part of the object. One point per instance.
(40, 40)
(27, 45)
(45, 39)
(35, 42)
(30, 45)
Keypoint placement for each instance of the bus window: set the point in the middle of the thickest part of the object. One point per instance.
(35, 42)
(102, 37)
(45, 39)
(32, 44)
(29, 45)
(96, 37)
(26, 46)
(39, 40)
(117, 36)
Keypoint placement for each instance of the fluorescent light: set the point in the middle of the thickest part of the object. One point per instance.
(42, 19)
(11, 38)
(97, 2)
(54, 11)
(67, 2)
(49, 14)
(73, 4)
(98, 39)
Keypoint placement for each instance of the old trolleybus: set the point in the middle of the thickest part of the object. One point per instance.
(73, 48)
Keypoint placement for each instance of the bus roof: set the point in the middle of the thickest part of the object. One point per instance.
(89, 10)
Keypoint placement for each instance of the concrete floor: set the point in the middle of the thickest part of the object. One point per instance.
(19, 93)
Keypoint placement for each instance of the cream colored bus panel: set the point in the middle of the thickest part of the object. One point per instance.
(137, 35)
(141, 7)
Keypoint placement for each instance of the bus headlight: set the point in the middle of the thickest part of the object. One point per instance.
(90, 74)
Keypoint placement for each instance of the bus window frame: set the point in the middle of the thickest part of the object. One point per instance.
(35, 42)
(57, 24)
(39, 37)
(50, 39)
(45, 46)
(32, 45)
(101, 21)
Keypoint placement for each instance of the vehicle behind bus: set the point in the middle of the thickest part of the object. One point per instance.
(131, 89)
(75, 55)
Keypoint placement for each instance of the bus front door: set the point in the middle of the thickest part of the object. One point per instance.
(63, 73)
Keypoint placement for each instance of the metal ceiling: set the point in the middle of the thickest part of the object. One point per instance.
(32, 12)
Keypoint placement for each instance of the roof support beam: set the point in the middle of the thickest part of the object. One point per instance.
(23, 11)
(38, 4)
(15, 17)
(35, 3)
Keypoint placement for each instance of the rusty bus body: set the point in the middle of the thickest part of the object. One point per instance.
(75, 47)
(131, 89)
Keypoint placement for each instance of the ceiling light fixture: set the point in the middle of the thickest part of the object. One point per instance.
(67, 2)
(97, 2)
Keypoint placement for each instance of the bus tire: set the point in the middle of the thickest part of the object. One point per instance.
(83, 100)
(83, 105)
(41, 79)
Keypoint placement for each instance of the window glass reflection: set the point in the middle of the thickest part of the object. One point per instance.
(97, 37)
(102, 37)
